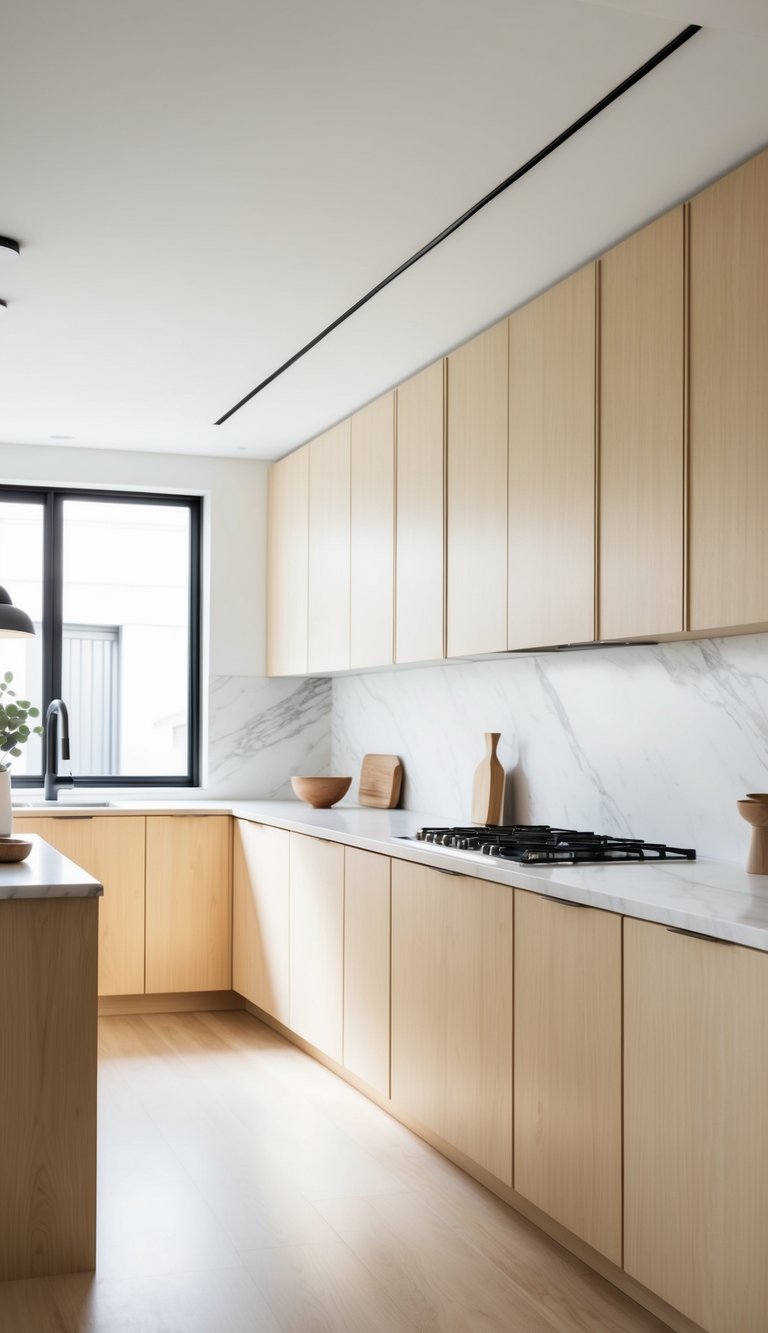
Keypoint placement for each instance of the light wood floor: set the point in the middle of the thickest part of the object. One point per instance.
(245, 1189)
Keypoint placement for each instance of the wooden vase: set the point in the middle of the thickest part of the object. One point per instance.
(488, 786)
(754, 808)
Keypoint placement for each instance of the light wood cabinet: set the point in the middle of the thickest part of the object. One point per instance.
(420, 515)
(329, 550)
(552, 466)
(372, 537)
(260, 916)
(452, 1010)
(642, 440)
(366, 966)
(696, 1150)
(111, 848)
(477, 495)
(729, 400)
(188, 933)
(288, 565)
(567, 1075)
(317, 942)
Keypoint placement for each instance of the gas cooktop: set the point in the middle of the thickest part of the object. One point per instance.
(538, 844)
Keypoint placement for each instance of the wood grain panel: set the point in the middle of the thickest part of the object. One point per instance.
(260, 916)
(729, 400)
(111, 848)
(552, 466)
(642, 389)
(372, 539)
(288, 565)
(477, 495)
(452, 1010)
(317, 942)
(568, 1067)
(329, 550)
(696, 1151)
(420, 574)
(48, 964)
(188, 942)
(366, 966)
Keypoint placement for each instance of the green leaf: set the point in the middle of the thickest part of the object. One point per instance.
(24, 703)
(8, 677)
(34, 712)
(16, 752)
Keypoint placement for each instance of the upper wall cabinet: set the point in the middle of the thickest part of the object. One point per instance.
(329, 555)
(477, 495)
(552, 466)
(287, 567)
(420, 521)
(372, 567)
(642, 392)
(729, 401)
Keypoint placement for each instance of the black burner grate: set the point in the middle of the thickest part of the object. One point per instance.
(538, 844)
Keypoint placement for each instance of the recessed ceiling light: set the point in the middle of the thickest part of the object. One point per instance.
(9, 249)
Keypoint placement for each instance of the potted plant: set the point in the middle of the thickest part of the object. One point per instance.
(15, 731)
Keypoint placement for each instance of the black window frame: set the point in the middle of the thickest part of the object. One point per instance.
(52, 499)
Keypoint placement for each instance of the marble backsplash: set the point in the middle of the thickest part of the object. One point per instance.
(261, 731)
(651, 741)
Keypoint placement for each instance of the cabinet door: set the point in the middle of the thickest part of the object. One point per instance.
(642, 395)
(568, 1066)
(452, 1010)
(328, 611)
(477, 495)
(366, 967)
(729, 400)
(188, 903)
(317, 943)
(260, 938)
(420, 596)
(288, 565)
(695, 1148)
(552, 466)
(372, 539)
(111, 848)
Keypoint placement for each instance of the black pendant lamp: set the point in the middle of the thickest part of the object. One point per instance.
(14, 623)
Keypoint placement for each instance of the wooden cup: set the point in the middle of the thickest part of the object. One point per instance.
(754, 808)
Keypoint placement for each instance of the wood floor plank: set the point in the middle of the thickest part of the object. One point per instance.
(244, 1188)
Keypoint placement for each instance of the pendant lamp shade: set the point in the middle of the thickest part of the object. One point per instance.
(14, 623)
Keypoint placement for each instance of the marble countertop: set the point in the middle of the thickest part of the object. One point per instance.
(709, 897)
(46, 874)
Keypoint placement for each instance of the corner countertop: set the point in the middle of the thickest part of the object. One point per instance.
(45, 874)
(707, 897)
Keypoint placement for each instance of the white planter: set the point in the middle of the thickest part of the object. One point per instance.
(6, 813)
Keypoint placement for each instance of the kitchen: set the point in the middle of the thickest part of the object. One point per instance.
(651, 740)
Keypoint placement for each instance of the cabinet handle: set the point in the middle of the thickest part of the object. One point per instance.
(71, 818)
(458, 873)
(697, 935)
(566, 902)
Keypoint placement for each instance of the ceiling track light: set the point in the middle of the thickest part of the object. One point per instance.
(9, 249)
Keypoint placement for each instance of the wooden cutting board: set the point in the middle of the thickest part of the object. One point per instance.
(381, 778)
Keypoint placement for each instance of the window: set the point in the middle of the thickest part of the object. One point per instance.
(112, 582)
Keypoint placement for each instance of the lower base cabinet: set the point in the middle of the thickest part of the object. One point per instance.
(567, 1075)
(452, 1010)
(189, 931)
(366, 967)
(111, 848)
(260, 917)
(696, 1144)
(317, 943)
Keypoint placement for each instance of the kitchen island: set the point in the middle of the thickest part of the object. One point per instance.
(48, 964)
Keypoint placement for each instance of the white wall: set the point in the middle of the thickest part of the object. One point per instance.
(258, 731)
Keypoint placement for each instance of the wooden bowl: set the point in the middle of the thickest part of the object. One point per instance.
(14, 849)
(321, 793)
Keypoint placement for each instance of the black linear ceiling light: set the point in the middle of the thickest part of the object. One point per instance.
(640, 73)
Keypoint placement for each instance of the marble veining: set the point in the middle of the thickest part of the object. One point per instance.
(652, 741)
(261, 731)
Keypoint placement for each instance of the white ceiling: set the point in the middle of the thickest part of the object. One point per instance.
(199, 186)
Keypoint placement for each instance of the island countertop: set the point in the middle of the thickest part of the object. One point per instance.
(45, 874)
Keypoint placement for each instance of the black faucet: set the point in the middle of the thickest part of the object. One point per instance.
(56, 717)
